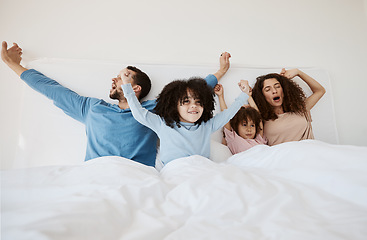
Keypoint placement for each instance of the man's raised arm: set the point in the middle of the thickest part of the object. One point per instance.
(70, 102)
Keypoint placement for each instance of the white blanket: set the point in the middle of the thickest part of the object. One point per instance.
(297, 190)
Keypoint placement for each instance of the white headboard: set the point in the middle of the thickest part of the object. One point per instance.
(48, 136)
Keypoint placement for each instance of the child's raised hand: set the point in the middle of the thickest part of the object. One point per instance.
(291, 73)
(218, 89)
(243, 84)
(126, 76)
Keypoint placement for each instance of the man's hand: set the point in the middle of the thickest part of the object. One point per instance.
(12, 57)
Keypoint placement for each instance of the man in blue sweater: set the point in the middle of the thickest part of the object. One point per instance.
(111, 129)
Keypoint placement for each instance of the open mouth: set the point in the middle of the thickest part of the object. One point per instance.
(276, 98)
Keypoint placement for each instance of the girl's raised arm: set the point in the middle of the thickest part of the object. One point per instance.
(219, 91)
(253, 104)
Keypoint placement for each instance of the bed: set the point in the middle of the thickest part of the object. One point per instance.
(312, 189)
(297, 190)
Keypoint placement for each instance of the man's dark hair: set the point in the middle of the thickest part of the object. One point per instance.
(141, 79)
(175, 92)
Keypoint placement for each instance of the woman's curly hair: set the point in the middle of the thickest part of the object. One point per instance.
(293, 101)
(244, 115)
(176, 91)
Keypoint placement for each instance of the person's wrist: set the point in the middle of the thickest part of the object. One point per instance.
(223, 70)
(221, 73)
(299, 72)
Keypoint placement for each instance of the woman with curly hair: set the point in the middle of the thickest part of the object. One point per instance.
(284, 106)
(183, 117)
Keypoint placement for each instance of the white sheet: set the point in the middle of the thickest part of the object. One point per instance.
(296, 190)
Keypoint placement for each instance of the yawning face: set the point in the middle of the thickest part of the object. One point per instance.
(273, 92)
(190, 109)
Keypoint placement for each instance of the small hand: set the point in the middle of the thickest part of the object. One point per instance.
(126, 76)
(289, 73)
(244, 86)
(218, 89)
(12, 55)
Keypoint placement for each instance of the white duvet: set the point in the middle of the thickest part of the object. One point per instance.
(297, 190)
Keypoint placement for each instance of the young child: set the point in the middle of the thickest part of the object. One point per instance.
(183, 118)
(245, 129)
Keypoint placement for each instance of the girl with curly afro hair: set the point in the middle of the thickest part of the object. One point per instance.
(183, 117)
(284, 106)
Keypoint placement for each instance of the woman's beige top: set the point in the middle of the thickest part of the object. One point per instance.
(288, 127)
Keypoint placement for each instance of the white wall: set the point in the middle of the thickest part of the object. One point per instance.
(327, 34)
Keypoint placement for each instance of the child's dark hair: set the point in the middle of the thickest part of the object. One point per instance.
(176, 92)
(294, 98)
(245, 114)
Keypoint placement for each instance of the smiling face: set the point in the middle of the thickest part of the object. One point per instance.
(247, 130)
(116, 91)
(273, 92)
(189, 109)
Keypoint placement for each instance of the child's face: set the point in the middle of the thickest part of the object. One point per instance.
(190, 110)
(247, 131)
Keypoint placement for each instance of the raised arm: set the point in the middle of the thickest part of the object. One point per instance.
(317, 89)
(223, 117)
(223, 65)
(219, 91)
(140, 114)
(12, 57)
(212, 79)
(71, 103)
(253, 104)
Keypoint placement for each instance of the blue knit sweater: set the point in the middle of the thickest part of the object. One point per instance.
(189, 139)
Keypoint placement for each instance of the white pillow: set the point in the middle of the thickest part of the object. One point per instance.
(219, 152)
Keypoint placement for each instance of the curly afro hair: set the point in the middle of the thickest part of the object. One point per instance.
(293, 101)
(176, 91)
(244, 115)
